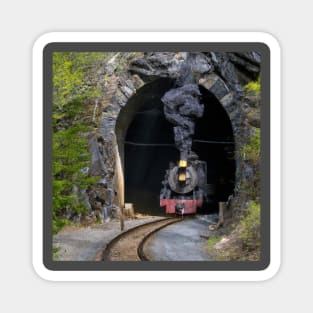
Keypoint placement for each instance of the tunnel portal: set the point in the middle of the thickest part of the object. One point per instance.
(148, 146)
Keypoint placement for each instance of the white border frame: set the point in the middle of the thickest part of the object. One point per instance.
(37, 165)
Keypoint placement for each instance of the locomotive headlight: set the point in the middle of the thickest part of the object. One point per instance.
(182, 177)
(182, 167)
(182, 163)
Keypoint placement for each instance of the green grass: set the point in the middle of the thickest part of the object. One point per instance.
(212, 241)
(55, 251)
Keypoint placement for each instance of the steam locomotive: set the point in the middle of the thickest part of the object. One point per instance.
(185, 187)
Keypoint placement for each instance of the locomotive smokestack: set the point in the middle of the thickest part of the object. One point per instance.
(181, 108)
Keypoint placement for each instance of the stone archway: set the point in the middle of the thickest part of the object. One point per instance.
(140, 168)
(223, 75)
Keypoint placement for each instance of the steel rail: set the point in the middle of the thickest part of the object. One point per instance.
(110, 246)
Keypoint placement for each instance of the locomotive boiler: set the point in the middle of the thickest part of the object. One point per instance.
(185, 187)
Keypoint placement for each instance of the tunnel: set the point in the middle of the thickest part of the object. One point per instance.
(146, 146)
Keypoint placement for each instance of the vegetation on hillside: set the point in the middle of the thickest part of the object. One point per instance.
(250, 227)
(74, 82)
(243, 239)
(252, 150)
(251, 155)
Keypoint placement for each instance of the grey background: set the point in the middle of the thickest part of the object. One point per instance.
(264, 164)
(22, 22)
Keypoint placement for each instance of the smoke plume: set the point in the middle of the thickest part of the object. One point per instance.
(182, 107)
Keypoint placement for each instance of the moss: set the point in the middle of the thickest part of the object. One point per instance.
(253, 87)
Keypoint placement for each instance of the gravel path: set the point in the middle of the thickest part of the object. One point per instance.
(184, 241)
(87, 243)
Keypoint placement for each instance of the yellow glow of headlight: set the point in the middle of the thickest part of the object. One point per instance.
(183, 163)
(182, 177)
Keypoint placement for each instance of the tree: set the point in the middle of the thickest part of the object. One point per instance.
(74, 83)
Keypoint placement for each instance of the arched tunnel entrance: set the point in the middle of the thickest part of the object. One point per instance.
(146, 146)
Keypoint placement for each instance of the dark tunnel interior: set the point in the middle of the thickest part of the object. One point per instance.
(149, 147)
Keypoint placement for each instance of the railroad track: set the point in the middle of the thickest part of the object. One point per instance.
(129, 245)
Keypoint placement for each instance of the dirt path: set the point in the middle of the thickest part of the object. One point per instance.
(86, 243)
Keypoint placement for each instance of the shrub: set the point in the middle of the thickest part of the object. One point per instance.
(250, 227)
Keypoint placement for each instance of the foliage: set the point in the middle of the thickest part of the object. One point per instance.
(251, 153)
(250, 226)
(254, 86)
(74, 76)
(212, 241)
(73, 83)
(55, 255)
(252, 150)
(58, 223)
(243, 242)
(70, 157)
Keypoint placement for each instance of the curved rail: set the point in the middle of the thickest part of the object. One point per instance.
(128, 246)
(140, 251)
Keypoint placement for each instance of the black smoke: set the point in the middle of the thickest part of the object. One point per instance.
(182, 107)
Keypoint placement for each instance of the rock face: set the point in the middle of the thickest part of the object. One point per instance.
(224, 75)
